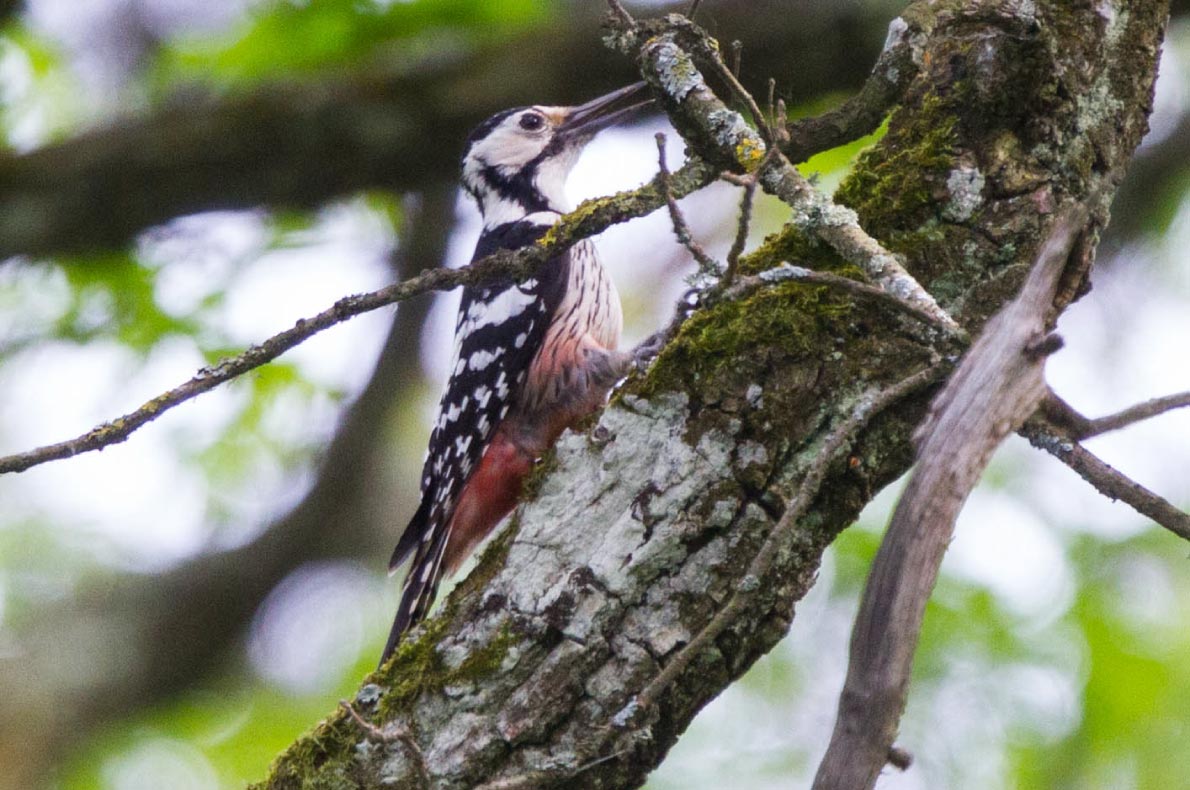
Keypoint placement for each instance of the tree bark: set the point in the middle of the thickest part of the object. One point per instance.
(648, 522)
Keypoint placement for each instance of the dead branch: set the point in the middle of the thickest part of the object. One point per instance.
(590, 218)
(707, 266)
(786, 272)
(998, 385)
(1080, 427)
(1107, 480)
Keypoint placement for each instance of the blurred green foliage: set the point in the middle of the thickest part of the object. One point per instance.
(233, 731)
(291, 38)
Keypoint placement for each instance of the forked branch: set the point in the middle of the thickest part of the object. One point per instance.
(998, 385)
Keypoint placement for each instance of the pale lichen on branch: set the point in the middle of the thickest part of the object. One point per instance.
(668, 60)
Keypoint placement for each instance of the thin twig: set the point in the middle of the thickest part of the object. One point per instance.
(1135, 414)
(525, 780)
(371, 730)
(693, 9)
(743, 95)
(578, 225)
(869, 405)
(707, 266)
(813, 213)
(1107, 480)
(750, 182)
(540, 777)
(621, 14)
(741, 233)
(817, 215)
(780, 121)
(737, 56)
(771, 106)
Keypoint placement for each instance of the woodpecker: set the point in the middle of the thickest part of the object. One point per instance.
(530, 358)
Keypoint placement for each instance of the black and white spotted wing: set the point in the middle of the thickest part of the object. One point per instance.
(500, 327)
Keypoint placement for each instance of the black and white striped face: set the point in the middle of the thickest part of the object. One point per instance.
(517, 161)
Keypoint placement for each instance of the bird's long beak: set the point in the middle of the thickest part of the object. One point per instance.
(587, 119)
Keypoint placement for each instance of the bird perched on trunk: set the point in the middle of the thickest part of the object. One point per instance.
(531, 358)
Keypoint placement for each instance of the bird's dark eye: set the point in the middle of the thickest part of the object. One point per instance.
(532, 121)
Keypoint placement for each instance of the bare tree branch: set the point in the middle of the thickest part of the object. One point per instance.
(744, 223)
(1107, 480)
(786, 272)
(1081, 428)
(707, 266)
(998, 385)
(668, 59)
(589, 219)
(862, 113)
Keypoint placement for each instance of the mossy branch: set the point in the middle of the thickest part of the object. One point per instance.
(669, 57)
(590, 218)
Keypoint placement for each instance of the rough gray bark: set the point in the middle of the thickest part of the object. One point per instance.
(649, 521)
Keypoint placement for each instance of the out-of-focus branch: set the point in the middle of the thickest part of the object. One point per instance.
(589, 219)
(998, 385)
(9, 8)
(182, 623)
(299, 145)
(1156, 180)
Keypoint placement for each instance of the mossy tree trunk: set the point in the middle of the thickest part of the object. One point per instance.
(646, 523)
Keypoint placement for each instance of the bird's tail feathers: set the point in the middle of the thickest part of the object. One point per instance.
(417, 595)
(414, 532)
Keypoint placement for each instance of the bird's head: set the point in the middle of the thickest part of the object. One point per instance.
(517, 161)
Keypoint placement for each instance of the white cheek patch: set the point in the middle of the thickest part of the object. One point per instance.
(508, 147)
(551, 179)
